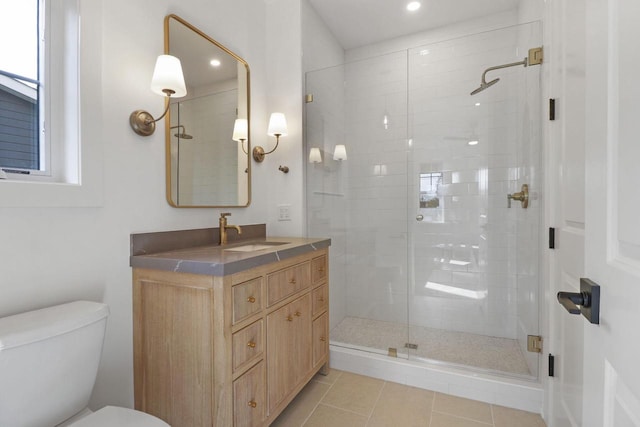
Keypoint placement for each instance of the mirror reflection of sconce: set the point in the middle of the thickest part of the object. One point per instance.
(340, 152)
(241, 132)
(167, 80)
(181, 134)
(315, 156)
(277, 128)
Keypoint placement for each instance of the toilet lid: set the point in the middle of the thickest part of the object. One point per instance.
(111, 416)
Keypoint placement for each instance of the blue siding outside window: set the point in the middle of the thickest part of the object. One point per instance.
(19, 143)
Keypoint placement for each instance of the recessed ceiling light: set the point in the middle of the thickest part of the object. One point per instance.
(477, 104)
(215, 63)
(474, 142)
(413, 6)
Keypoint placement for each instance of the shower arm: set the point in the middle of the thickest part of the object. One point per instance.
(498, 67)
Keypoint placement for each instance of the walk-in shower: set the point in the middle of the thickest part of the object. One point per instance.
(429, 264)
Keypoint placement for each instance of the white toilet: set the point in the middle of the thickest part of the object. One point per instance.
(48, 364)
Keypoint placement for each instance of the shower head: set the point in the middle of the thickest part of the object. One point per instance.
(483, 82)
(183, 134)
(485, 85)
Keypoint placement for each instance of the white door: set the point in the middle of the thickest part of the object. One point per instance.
(598, 377)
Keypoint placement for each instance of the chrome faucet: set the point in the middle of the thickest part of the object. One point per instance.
(224, 227)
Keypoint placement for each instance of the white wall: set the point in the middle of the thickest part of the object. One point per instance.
(54, 255)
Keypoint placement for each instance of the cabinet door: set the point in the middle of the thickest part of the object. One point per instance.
(248, 398)
(288, 348)
(320, 339)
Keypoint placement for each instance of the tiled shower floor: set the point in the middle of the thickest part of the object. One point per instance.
(480, 351)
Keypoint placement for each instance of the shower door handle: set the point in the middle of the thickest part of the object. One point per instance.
(419, 217)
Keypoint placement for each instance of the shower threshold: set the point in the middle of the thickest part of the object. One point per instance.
(487, 353)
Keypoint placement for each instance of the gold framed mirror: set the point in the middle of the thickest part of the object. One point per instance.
(205, 166)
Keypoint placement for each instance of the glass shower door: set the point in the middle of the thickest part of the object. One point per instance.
(361, 201)
(473, 290)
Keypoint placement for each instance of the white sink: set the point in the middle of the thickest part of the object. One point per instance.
(254, 247)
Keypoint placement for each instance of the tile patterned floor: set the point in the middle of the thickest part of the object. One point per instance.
(481, 351)
(343, 399)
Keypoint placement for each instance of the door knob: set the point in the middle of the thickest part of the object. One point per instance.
(587, 301)
(522, 197)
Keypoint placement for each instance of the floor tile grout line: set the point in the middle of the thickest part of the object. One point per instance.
(320, 400)
(373, 409)
(433, 405)
(493, 419)
(464, 418)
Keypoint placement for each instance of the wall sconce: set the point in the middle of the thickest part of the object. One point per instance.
(168, 81)
(277, 128)
(241, 132)
(315, 156)
(340, 152)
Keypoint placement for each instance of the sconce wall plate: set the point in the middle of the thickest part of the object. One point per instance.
(142, 123)
(258, 154)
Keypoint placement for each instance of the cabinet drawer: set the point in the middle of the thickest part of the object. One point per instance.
(320, 339)
(320, 299)
(249, 407)
(247, 299)
(319, 269)
(287, 282)
(248, 345)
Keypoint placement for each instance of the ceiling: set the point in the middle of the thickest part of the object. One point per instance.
(358, 23)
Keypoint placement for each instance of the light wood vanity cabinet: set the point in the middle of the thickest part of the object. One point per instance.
(229, 350)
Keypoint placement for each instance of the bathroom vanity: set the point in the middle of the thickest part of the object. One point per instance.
(227, 335)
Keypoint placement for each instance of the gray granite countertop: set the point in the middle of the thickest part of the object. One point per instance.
(219, 260)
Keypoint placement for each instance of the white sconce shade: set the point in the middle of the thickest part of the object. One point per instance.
(167, 75)
(240, 130)
(277, 125)
(167, 81)
(340, 152)
(315, 156)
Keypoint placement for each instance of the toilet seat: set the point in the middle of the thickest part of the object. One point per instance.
(111, 416)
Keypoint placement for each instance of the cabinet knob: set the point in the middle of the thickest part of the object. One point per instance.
(251, 300)
(292, 280)
(320, 269)
(323, 339)
(321, 299)
(251, 344)
(290, 318)
(298, 314)
(252, 403)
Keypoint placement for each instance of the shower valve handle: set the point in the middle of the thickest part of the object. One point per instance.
(522, 197)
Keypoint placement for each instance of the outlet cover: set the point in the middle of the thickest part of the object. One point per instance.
(284, 212)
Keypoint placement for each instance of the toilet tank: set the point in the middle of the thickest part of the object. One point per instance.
(48, 362)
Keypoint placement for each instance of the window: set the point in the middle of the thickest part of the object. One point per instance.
(69, 66)
(22, 142)
(39, 62)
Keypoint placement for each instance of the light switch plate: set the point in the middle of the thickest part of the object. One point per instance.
(284, 212)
